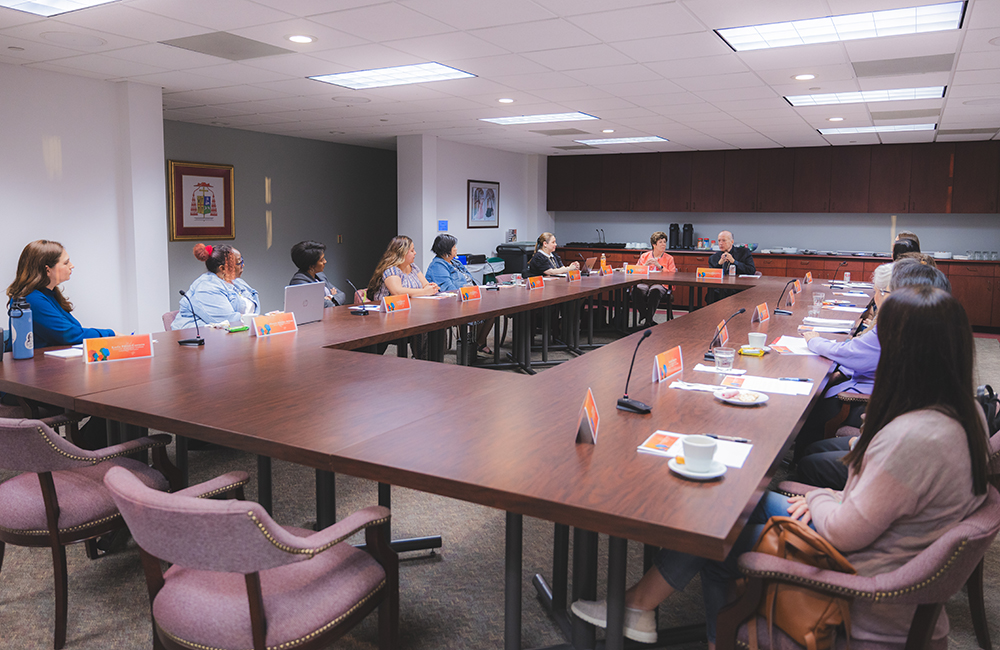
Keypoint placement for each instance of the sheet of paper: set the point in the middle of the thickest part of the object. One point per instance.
(858, 294)
(439, 296)
(824, 330)
(794, 345)
(687, 385)
(669, 444)
(769, 385)
(828, 322)
(853, 310)
(68, 353)
(703, 368)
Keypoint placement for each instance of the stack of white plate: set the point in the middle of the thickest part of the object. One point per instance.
(942, 255)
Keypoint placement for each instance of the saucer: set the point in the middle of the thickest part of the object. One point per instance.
(751, 397)
(766, 348)
(715, 471)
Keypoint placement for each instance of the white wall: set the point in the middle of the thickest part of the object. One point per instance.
(81, 162)
(432, 181)
(955, 233)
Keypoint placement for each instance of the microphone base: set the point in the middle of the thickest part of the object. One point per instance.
(633, 406)
(709, 356)
(783, 311)
(191, 342)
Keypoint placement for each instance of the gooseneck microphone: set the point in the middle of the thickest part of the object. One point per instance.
(364, 308)
(777, 305)
(197, 340)
(710, 356)
(837, 270)
(624, 403)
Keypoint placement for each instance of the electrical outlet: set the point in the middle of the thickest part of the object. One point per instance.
(340, 239)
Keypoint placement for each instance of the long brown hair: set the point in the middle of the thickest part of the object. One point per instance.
(32, 270)
(394, 255)
(925, 363)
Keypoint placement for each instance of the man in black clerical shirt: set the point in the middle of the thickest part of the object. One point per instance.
(728, 255)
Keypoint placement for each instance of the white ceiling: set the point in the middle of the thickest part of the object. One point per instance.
(645, 67)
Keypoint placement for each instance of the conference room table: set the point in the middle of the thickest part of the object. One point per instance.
(496, 439)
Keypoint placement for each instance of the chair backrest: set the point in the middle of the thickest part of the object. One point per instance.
(168, 319)
(991, 407)
(939, 571)
(32, 446)
(231, 536)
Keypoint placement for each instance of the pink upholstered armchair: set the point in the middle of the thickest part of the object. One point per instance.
(60, 498)
(927, 581)
(239, 580)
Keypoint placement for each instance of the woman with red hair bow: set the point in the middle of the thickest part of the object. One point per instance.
(218, 295)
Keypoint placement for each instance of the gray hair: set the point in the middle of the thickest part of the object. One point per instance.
(882, 275)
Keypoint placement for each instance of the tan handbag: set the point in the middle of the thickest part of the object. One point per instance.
(809, 617)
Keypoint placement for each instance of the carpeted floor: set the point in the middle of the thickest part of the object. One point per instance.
(451, 600)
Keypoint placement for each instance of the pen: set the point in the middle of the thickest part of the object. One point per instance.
(730, 438)
(793, 379)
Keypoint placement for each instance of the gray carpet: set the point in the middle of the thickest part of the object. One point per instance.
(452, 600)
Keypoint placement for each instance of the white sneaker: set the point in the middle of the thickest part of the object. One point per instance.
(640, 624)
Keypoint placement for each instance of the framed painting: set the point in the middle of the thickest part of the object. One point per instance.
(201, 201)
(484, 204)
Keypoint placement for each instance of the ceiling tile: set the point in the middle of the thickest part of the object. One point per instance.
(367, 57)
(497, 66)
(614, 74)
(463, 14)
(720, 82)
(718, 14)
(532, 82)
(897, 47)
(852, 139)
(639, 22)
(979, 60)
(905, 81)
(971, 77)
(52, 33)
(577, 58)
(304, 8)
(106, 66)
(572, 94)
(218, 15)
(239, 73)
(24, 51)
(984, 13)
(10, 17)
(126, 20)
(443, 48)
(641, 89)
(164, 56)
(670, 48)
(383, 22)
(802, 58)
(698, 67)
(727, 94)
(575, 7)
(906, 136)
(277, 34)
(535, 36)
(823, 73)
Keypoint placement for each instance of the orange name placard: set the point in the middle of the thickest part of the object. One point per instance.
(574, 275)
(586, 428)
(797, 286)
(790, 300)
(280, 323)
(708, 274)
(606, 270)
(535, 282)
(636, 269)
(666, 364)
(470, 293)
(809, 277)
(761, 314)
(395, 303)
(117, 348)
(723, 332)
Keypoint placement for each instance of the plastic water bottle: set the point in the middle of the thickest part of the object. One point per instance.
(22, 338)
(732, 269)
(604, 262)
(847, 276)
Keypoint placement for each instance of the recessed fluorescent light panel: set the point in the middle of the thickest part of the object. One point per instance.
(895, 128)
(51, 7)
(867, 96)
(538, 119)
(637, 140)
(891, 22)
(398, 76)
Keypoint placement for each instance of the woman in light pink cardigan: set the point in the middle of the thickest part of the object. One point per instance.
(918, 469)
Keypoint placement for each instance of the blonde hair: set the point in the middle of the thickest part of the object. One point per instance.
(544, 237)
(394, 255)
(32, 270)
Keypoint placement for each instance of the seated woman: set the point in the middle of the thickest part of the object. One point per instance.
(310, 258)
(397, 273)
(648, 296)
(450, 275)
(899, 497)
(42, 267)
(545, 261)
(219, 295)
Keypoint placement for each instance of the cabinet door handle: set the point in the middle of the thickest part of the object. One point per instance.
(693, 204)
(687, 205)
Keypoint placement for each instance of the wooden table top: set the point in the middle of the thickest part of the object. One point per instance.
(497, 439)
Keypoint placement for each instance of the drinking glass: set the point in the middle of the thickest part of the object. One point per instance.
(724, 358)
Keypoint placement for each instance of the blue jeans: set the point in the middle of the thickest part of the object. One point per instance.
(679, 568)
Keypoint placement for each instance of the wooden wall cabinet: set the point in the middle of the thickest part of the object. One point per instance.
(616, 183)
(645, 182)
(675, 181)
(708, 170)
(587, 183)
(775, 180)
(811, 185)
(559, 183)
(889, 185)
(972, 285)
(977, 177)
(850, 179)
(931, 174)
(740, 181)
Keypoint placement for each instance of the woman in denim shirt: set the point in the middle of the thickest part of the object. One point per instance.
(450, 274)
(213, 296)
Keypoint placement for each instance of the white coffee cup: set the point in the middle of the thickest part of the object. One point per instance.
(698, 453)
(757, 339)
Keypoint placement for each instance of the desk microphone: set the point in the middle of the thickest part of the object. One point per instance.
(777, 305)
(364, 308)
(624, 403)
(197, 340)
(837, 270)
(710, 356)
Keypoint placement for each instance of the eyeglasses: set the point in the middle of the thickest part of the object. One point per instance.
(241, 263)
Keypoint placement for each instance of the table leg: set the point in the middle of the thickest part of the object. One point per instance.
(590, 321)
(462, 348)
(264, 485)
(512, 583)
(617, 562)
(326, 499)
(181, 459)
(435, 345)
(554, 598)
(546, 327)
(584, 583)
(408, 544)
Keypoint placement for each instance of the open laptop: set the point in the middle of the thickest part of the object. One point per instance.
(305, 301)
(588, 266)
